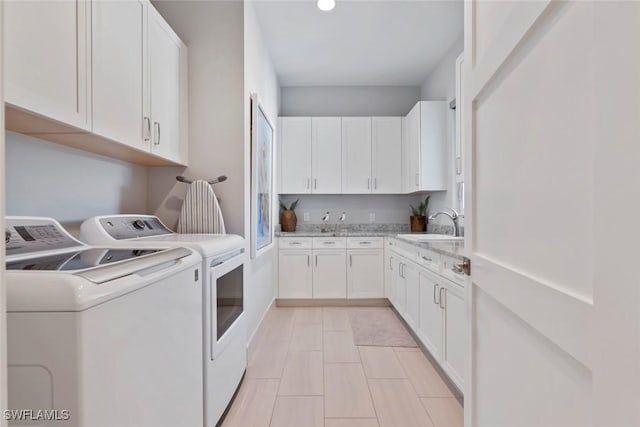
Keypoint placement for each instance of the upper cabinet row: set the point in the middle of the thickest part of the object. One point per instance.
(363, 155)
(104, 76)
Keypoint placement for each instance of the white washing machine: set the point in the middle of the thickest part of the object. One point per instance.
(225, 336)
(100, 337)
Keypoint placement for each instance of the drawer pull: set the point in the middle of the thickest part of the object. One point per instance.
(427, 259)
(365, 243)
(328, 243)
(295, 243)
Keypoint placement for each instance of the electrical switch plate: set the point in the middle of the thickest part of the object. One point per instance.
(306, 216)
(372, 217)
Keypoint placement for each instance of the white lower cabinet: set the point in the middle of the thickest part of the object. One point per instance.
(412, 307)
(329, 274)
(452, 301)
(365, 273)
(430, 323)
(295, 274)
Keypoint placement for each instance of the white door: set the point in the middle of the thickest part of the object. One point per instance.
(365, 273)
(430, 320)
(295, 157)
(47, 59)
(451, 300)
(326, 155)
(356, 155)
(411, 151)
(119, 70)
(386, 157)
(329, 274)
(551, 108)
(412, 304)
(164, 87)
(294, 274)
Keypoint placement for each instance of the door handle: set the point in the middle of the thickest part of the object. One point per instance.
(435, 289)
(147, 127)
(441, 301)
(156, 126)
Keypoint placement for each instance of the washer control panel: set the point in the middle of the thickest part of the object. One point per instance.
(25, 235)
(125, 227)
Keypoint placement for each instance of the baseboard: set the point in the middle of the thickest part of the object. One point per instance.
(331, 302)
(264, 315)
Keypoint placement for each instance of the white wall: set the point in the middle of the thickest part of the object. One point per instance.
(260, 78)
(440, 85)
(213, 32)
(48, 179)
(349, 100)
(388, 209)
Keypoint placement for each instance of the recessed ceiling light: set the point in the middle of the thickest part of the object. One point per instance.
(326, 5)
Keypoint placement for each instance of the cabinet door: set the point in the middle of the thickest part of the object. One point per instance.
(365, 274)
(294, 274)
(164, 87)
(390, 266)
(454, 332)
(46, 52)
(119, 69)
(356, 155)
(432, 160)
(295, 155)
(386, 160)
(400, 287)
(430, 321)
(411, 151)
(329, 274)
(326, 155)
(412, 303)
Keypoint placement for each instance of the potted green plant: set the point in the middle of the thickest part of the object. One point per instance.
(418, 216)
(288, 218)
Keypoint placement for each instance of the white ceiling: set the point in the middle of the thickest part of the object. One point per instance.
(359, 43)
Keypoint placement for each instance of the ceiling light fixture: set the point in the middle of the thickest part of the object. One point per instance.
(326, 5)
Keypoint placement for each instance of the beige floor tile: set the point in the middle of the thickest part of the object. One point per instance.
(444, 411)
(267, 360)
(298, 411)
(308, 315)
(397, 404)
(346, 392)
(253, 405)
(339, 347)
(351, 422)
(423, 376)
(380, 362)
(303, 374)
(335, 319)
(306, 337)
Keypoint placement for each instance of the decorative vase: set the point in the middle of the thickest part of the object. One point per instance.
(288, 221)
(418, 224)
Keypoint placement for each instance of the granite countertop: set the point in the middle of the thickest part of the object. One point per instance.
(453, 249)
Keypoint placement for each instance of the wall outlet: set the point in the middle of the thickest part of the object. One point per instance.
(372, 217)
(305, 216)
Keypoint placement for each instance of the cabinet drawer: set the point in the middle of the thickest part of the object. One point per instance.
(429, 259)
(365, 242)
(295, 243)
(329, 243)
(450, 271)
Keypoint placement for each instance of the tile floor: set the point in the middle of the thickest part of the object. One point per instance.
(305, 371)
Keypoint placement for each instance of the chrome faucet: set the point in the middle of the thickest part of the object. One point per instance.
(454, 217)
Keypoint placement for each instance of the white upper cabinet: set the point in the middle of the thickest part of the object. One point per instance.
(425, 147)
(386, 149)
(119, 72)
(356, 155)
(164, 88)
(326, 155)
(295, 155)
(47, 58)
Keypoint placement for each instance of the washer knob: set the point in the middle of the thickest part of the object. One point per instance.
(138, 224)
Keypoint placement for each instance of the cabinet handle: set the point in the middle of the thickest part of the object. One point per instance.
(295, 243)
(316, 260)
(368, 183)
(427, 259)
(308, 261)
(328, 243)
(417, 179)
(147, 127)
(441, 300)
(308, 183)
(156, 126)
(391, 263)
(365, 243)
(435, 289)
(315, 183)
(375, 183)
